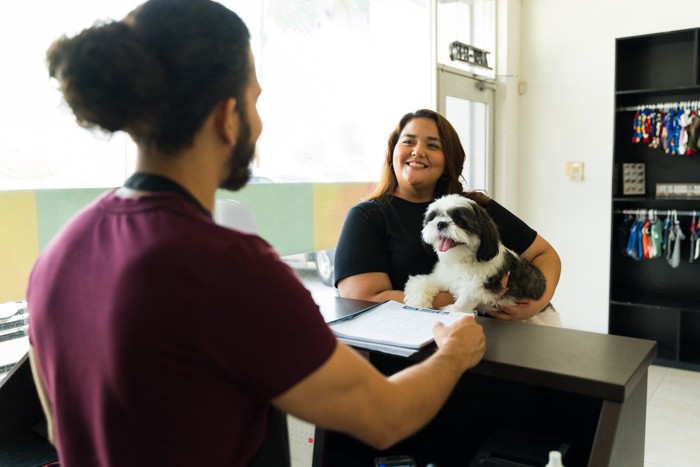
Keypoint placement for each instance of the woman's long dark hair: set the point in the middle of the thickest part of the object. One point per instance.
(455, 157)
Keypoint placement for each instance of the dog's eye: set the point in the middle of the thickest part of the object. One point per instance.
(462, 216)
(430, 216)
(459, 212)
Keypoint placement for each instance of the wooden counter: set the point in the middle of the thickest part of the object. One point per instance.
(535, 383)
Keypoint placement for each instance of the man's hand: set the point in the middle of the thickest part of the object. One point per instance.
(463, 339)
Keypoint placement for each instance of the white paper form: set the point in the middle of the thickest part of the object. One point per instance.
(393, 323)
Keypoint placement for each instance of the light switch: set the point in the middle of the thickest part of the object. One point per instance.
(575, 171)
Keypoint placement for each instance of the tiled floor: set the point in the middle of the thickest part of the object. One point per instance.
(673, 418)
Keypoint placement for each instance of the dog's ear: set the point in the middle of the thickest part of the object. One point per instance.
(489, 238)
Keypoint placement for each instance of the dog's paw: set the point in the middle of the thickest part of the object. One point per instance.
(547, 317)
(419, 292)
(462, 308)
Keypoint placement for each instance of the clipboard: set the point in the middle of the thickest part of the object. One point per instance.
(391, 327)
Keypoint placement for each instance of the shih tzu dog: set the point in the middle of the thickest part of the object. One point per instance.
(472, 262)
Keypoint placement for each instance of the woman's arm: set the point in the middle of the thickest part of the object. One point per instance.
(376, 287)
(545, 258)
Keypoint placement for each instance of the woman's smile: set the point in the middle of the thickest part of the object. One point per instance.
(418, 160)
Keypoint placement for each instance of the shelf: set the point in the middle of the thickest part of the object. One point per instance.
(655, 39)
(690, 366)
(685, 89)
(657, 62)
(690, 338)
(659, 304)
(647, 323)
(632, 199)
(650, 299)
(665, 203)
(653, 283)
(627, 101)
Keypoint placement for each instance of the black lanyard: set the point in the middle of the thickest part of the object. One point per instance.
(143, 181)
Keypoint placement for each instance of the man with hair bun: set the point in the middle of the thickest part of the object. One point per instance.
(161, 338)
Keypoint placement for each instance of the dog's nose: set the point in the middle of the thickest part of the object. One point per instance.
(441, 225)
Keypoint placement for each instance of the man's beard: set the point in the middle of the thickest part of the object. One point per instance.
(241, 156)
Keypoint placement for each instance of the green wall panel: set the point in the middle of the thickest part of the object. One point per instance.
(284, 213)
(54, 208)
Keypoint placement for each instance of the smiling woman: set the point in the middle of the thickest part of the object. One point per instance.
(381, 245)
(321, 65)
(418, 160)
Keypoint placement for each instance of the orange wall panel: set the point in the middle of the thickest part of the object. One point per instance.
(19, 242)
(331, 204)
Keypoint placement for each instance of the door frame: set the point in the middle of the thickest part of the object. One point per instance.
(464, 85)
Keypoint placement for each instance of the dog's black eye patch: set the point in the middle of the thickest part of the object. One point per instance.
(429, 216)
(463, 217)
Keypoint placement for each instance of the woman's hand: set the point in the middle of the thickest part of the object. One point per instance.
(523, 309)
(543, 256)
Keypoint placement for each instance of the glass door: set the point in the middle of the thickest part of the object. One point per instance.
(468, 104)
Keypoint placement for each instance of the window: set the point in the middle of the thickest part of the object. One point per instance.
(40, 144)
(336, 75)
(471, 22)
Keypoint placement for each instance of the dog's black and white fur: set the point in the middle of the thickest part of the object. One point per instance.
(472, 262)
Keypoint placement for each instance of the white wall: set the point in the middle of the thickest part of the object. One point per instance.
(567, 53)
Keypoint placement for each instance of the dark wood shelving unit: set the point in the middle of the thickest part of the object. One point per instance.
(648, 298)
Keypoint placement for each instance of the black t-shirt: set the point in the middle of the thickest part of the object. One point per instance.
(384, 235)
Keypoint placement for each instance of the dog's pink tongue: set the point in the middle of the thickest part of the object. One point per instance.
(445, 244)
